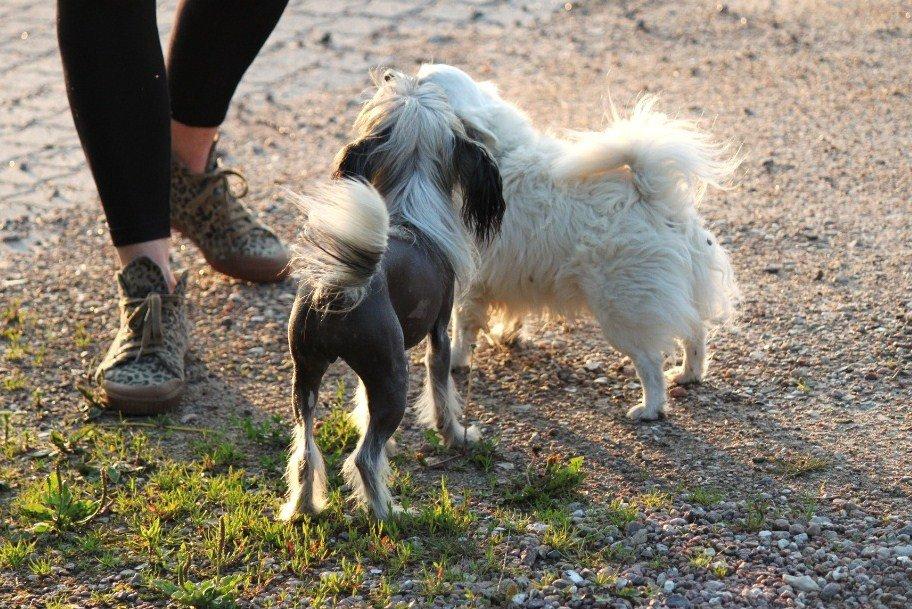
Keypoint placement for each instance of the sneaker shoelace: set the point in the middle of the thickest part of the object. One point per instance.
(145, 324)
(234, 213)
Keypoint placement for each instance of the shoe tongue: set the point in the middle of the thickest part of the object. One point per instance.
(142, 277)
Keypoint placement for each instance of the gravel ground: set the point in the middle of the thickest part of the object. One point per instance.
(803, 428)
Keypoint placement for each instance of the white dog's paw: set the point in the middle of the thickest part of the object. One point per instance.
(642, 413)
(289, 511)
(505, 335)
(461, 358)
(682, 376)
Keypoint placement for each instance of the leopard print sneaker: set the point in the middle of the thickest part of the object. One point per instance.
(143, 371)
(207, 211)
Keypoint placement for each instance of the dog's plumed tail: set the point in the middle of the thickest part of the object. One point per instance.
(343, 239)
(672, 161)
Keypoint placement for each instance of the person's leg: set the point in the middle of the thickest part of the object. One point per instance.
(212, 45)
(118, 92)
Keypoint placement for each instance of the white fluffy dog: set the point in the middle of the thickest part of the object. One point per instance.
(604, 222)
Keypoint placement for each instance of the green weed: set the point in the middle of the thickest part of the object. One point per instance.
(12, 555)
(799, 464)
(547, 487)
(706, 496)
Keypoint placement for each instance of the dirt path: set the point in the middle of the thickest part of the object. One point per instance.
(806, 416)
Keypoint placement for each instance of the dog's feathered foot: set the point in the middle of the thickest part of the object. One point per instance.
(641, 412)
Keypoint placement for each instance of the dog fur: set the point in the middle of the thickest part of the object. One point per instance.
(378, 259)
(603, 223)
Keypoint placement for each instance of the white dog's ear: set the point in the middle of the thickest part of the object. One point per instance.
(476, 130)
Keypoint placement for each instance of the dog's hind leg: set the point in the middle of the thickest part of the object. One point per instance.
(647, 359)
(439, 405)
(306, 472)
(469, 317)
(694, 359)
(649, 370)
(361, 414)
(383, 367)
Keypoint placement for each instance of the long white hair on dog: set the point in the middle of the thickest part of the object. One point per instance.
(672, 163)
(407, 136)
(342, 241)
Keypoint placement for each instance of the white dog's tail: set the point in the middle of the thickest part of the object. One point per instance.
(672, 161)
(343, 239)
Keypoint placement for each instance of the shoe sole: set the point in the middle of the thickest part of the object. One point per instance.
(252, 272)
(139, 406)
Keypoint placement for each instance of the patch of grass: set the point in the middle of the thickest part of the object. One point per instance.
(212, 593)
(15, 352)
(438, 580)
(337, 434)
(757, 514)
(619, 513)
(13, 555)
(701, 559)
(13, 381)
(546, 487)
(481, 454)
(443, 517)
(800, 464)
(13, 315)
(807, 505)
(271, 432)
(563, 537)
(81, 337)
(54, 505)
(345, 581)
(216, 452)
(42, 567)
(653, 500)
(706, 496)
(382, 594)
(719, 569)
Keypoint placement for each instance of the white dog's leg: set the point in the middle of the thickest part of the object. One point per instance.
(506, 331)
(649, 370)
(694, 359)
(647, 359)
(469, 317)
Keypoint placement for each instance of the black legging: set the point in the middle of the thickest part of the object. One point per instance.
(121, 95)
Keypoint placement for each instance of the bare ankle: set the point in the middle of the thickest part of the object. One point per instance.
(191, 145)
(158, 251)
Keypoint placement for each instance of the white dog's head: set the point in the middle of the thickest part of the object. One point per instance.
(496, 123)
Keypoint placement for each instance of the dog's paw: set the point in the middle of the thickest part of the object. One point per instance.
(293, 510)
(680, 376)
(465, 437)
(460, 357)
(505, 335)
(642, 413)
(289, 511)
